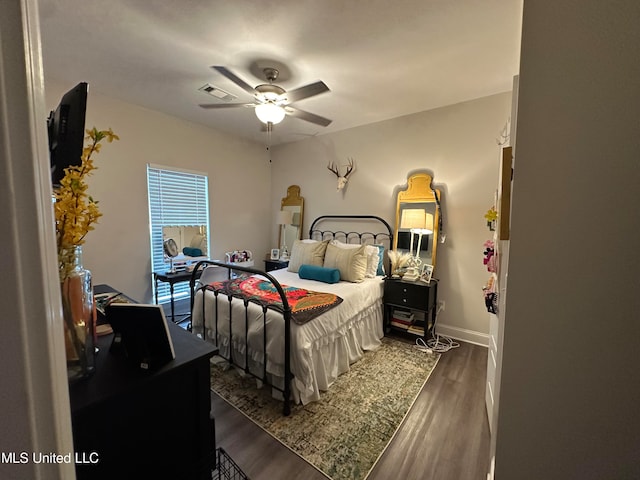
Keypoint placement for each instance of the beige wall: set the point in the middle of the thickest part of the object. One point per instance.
(457, 144)
(118, 251)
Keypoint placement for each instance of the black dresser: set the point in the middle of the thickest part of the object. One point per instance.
(129, 423)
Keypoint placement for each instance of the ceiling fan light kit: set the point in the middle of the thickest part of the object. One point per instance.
(271, 101)
(270, 113)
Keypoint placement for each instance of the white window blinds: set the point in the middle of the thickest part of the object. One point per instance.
(176, 198)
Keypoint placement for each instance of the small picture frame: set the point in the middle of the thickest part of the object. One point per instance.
(427, 271)
(275, 254)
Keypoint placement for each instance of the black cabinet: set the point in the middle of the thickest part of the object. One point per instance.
(275, 264)
(410, 307)
(129, 423)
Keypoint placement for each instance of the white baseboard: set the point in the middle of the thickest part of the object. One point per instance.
(469, 336)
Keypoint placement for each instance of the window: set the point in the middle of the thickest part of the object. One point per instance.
(178, 209)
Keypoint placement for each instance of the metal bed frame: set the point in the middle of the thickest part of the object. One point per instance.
(195, 286)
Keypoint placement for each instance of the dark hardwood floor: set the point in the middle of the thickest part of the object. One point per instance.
(445, 436)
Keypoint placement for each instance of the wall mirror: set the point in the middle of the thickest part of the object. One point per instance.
(192, 236)
(418, 218)
(290, 218)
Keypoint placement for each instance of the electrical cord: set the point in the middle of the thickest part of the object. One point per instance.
(422, 346)
(437, 343)
(441, 344)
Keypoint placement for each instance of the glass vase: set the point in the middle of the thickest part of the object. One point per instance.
(78, 313)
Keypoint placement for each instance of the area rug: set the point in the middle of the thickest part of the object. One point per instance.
(345, 432)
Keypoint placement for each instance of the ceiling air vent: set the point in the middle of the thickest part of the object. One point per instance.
(217, 92)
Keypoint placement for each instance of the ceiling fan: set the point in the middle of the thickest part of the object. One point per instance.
(273, 102)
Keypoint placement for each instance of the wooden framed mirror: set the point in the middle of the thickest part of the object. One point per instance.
(291, 229)
(418, 209)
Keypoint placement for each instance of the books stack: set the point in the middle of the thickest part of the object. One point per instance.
(402, 319)
(416, 330)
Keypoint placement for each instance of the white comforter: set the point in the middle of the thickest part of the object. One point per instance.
(321, 349)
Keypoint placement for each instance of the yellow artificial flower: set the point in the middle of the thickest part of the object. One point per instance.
(491, 215)
(75, 210)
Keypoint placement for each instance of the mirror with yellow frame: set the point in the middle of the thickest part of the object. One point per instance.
(417, 220)
(290, 218)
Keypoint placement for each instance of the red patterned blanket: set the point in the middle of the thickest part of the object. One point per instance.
(305, 304)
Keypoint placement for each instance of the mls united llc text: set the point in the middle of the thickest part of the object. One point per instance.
(39, 457)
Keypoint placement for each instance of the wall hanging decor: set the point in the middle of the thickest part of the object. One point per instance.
(504, 197)
(490, 259)
(490, 295)
(342, 179)
(491, 216)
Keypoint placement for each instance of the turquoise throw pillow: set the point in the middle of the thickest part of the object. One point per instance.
(380, 270)
(321, 274)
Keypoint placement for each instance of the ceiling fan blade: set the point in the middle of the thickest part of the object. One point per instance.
(226, 105)
(235, 79)
(309, 117)
(307, 91)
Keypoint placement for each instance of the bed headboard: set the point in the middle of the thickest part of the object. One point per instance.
(357, 229)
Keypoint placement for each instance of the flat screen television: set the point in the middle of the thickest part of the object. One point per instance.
(65, 126)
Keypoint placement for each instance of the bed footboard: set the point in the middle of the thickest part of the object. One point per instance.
(196, 285)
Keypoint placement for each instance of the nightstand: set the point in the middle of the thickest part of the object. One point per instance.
(275, 264)
(410, 307)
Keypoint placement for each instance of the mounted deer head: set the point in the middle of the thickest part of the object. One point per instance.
(342, 179)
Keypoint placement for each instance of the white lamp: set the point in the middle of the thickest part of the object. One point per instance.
(417, 220)
(270, 113)
(427, 229)
(413, 219)
(285, 218)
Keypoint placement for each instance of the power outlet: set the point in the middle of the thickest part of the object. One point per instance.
(441, 305)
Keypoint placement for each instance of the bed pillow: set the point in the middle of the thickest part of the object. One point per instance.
(321, 274)
(371, 251)
(352, 262)
(306, 253)
(380, 269)
(192, 252)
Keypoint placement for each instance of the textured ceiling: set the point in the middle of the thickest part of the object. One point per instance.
(381, 59)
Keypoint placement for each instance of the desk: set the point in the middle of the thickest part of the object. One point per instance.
(172, 279)
(146, 424)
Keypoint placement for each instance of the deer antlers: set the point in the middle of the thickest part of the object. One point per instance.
(342, 179)
(334, 168)
(349, 167)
